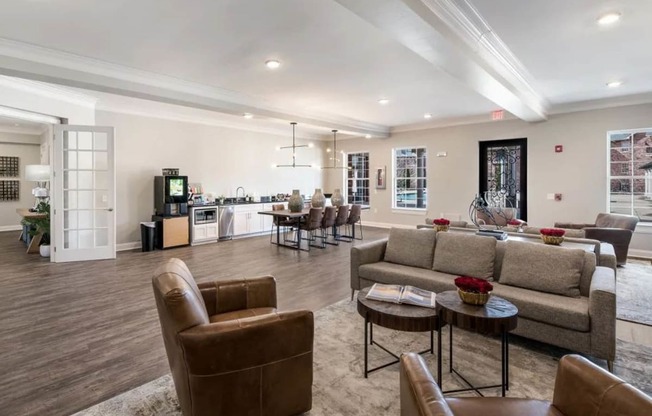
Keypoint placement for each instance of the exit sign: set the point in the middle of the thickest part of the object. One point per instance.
(497, 115)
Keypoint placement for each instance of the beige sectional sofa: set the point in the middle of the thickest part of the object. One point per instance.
(563, 298)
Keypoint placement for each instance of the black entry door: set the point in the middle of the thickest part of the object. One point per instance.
(503, 174)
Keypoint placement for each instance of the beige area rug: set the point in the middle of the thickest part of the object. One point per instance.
(341, 389)
(634, 291)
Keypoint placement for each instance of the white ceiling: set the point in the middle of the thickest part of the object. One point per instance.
(338, 56)
(13, 125)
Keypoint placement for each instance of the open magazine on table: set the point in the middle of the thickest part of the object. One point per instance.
(402, 294)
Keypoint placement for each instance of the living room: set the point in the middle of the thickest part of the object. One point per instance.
(344, 67)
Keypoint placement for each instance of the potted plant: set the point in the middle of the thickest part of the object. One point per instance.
(40, 226)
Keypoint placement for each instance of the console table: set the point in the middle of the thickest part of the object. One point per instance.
(34, 243)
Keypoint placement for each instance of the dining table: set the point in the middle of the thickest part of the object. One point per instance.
(287, 214)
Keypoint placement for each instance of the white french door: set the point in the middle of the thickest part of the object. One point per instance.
(83, 193)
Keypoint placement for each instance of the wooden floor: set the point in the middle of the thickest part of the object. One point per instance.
(76, 334)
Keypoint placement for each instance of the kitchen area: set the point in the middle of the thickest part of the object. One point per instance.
(186, 215)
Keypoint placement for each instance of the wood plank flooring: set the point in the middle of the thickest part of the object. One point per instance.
(76, 334)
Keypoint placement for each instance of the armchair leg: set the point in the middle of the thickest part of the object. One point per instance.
(352, 293)
(610, 366)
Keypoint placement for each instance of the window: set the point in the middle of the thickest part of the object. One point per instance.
(410, 189)
(357, 181)
(630, 173)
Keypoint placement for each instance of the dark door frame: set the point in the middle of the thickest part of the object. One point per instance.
(482, 160)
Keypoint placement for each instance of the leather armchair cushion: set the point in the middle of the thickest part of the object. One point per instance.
(241, 314)
(498, 406)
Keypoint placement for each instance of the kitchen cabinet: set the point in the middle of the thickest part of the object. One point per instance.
(246, 219)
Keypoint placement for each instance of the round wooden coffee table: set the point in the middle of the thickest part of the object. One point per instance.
(497, 317)
(396, 316)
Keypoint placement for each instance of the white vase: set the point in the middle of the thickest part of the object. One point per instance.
(318, 199)
(44, 249)
(295, 203)
(337, 199)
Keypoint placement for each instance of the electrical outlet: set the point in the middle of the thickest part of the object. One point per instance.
(550, 197)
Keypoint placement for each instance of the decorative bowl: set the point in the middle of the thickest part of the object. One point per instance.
(472, 298)
(442, 227)
(552, 239)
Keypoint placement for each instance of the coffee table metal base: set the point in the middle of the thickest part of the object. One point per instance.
(504, 366)
(369, 340)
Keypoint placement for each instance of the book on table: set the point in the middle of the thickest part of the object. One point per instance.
(402, 294)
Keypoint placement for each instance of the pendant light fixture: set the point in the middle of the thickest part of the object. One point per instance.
(294, 150)
(335, 155)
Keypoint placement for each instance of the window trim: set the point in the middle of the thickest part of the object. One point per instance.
(395, 208)
(345, 184)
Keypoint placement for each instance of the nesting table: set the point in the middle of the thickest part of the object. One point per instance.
(497, 317)
(400, 317)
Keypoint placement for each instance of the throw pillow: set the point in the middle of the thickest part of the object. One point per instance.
(411, 247)
(465, 255)
(542, 267)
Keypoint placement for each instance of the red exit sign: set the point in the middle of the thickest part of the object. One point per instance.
(497, 115)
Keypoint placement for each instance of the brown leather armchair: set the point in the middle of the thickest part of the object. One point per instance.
(230, 351)
(615, 229)
(581, 388)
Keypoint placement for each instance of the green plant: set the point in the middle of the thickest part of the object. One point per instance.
(40, 225)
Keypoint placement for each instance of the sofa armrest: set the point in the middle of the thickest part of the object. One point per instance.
(611, 235)
(236, 294)
(572, 226)
(364, 254)
(602, 313)
(224, 347)
(420, 395)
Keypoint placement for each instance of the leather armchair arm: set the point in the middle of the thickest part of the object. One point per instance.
(572, 226)
(364, 254)
(420, 395)
(236, 294)
(224, 347)
(602, 312)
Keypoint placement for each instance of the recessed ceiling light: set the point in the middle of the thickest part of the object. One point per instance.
(383, 101)
(248, 115)
(427, 116)
(368, 136)
(272, 64)
(609, 18)
(614, 84)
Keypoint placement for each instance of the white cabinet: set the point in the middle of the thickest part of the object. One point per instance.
(247, 220)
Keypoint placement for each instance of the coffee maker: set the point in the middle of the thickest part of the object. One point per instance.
(171, 195)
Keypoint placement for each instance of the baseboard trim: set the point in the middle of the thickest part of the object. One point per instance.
(11, 228)
(641, 254)
(128, 246)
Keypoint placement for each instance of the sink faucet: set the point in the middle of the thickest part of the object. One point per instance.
(237, 190)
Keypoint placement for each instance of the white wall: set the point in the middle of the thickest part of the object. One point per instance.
(579, 173)
(220, 158)
(25, 147)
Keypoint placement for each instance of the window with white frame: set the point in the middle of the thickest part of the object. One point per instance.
(410, 190)
(630, 173)
(357, 180)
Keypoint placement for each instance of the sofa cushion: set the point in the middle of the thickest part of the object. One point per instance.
(465, 254)
(411, 247)
(390, 273)
(542, 267)
(562, 311)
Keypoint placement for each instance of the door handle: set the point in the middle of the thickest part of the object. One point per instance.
(110, 209)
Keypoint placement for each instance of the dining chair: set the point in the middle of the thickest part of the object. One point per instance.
(327, 223)
(340, 221)
(312, 224)
(284, 222)
(354, 218)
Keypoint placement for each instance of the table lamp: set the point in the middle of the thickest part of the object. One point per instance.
(41, 175)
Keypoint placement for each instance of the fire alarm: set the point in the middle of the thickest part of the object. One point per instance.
(559, 148)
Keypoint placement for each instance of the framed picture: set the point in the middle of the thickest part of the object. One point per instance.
(381, 181)
(9, 166)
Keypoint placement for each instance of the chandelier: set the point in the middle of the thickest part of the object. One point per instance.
(335, 155)
(294, 151)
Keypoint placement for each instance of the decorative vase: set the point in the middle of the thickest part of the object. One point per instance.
(337, 199)
(472, 298)
(44, 249)
(552, 239)
(318, 199)
(295, 203)
(443, 228)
